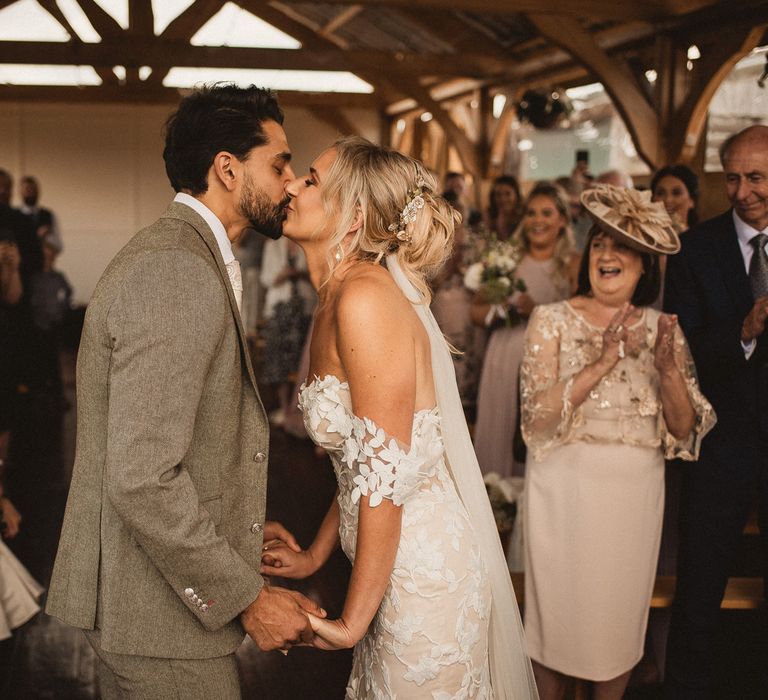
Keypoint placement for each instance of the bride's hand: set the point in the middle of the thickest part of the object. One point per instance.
(331, 635)
(278, 559)
(275, 532)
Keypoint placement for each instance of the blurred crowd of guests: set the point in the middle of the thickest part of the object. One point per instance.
(35, 300)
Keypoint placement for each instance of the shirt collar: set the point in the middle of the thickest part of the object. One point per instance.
(744, 231)
(225, 246)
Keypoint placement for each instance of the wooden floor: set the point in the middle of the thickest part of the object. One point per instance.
(47, 660)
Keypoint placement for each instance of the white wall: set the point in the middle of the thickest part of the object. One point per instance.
(101, 170)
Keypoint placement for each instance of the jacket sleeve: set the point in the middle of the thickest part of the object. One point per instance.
(165, 326)
(685, 295)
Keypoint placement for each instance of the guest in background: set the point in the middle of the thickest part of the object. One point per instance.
(50, 300)
(288, 305)
(548, 268)
(451, 305)
(10, 295)
(504, 207)
(677, 187)
(718, 286)
(249, 251)
(608, 390)
(46, 225)
(580, 221)
(455, 191)
(616, 178)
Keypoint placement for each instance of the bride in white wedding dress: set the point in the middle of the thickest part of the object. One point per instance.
(430, 608)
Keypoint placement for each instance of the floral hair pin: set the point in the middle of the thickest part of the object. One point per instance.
(413, 205)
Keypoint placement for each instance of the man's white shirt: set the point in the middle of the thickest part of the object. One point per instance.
(220, 234)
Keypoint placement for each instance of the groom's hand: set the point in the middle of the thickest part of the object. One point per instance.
(277, 619)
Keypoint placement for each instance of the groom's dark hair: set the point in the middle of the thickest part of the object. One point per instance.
(214, 118)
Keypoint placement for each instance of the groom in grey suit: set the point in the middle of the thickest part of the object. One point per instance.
(160, 550)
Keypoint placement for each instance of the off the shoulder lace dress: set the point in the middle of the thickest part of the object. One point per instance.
(595, 491)
(429, 638)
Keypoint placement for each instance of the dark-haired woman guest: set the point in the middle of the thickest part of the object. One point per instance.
(677, 187)
(608, 390)
(505, 207)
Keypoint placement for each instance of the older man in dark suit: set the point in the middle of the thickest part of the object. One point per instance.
(718, 286)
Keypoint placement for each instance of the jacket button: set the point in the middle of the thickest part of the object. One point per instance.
(188, 592)
(259, 457)
(256, 528)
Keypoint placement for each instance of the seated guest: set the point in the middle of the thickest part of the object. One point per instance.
(548, 268)
(608, 391)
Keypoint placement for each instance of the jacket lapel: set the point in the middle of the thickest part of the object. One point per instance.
(731, 264)
(190, 216)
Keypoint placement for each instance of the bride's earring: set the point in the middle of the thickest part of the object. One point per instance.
(339, 254)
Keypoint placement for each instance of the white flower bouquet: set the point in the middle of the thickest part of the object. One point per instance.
(493, 275)
(503, 493)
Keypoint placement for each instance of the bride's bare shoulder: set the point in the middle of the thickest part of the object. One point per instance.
(369, 289)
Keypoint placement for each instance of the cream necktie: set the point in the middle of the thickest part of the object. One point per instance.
(236, 279)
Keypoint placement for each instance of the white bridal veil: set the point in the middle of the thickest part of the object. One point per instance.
(511, 672)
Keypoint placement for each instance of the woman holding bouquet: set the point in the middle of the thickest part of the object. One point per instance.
(547, 267)
(608, 391)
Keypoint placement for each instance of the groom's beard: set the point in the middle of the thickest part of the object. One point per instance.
(264, 215)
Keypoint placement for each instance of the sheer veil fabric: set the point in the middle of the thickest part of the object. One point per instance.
(511, 671)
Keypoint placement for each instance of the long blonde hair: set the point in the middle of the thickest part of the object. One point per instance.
(376, 183)
(565, 247)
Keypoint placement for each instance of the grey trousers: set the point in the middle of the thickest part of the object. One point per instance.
(126, 677)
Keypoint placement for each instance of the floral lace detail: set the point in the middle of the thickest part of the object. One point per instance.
(625, 406)
(429, 637)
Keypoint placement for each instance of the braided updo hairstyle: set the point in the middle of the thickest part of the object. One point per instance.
(376, 183)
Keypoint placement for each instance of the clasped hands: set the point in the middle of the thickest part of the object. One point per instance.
(280, 618)
(616, 336)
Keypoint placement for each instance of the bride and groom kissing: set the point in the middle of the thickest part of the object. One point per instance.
(164, 546)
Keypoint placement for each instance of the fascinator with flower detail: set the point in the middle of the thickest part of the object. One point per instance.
(630, 216)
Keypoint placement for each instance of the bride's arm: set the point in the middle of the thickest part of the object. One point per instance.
(377, 352)
(282, 560)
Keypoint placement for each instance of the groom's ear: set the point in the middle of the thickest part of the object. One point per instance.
(225, 168)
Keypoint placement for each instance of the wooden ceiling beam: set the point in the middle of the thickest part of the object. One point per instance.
(148, 94)
(154, 51)
(141, 18)
(334, 118)
(641, 119)
(343, 17)
(186, 25)
(104, 23)
(311, 40)
(603, 9)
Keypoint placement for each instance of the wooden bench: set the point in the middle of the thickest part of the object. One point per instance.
(741, 593)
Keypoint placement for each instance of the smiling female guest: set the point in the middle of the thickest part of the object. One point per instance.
(430, 608)
(549, 268)
(609, 390)
(677, 187)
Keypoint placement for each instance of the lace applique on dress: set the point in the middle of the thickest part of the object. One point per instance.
(429, 638)
(625, 406)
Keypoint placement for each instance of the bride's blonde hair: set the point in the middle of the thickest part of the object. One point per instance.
(376, 183)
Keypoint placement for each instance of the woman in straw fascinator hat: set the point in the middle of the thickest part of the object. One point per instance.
(608, 392)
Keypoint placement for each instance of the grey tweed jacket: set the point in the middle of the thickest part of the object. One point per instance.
(162, 534)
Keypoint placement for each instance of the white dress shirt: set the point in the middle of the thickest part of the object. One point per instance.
(745, 233)
(220, 234)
